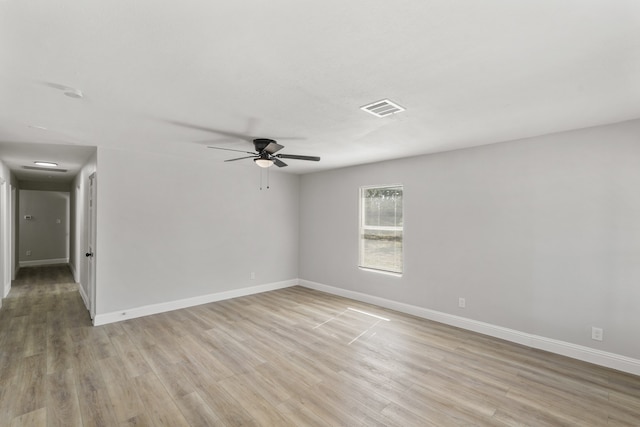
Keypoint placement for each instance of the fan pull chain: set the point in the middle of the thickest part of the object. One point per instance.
(261, 179)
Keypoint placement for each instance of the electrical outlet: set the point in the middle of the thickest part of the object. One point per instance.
(253, 275)
(597, 333)
(462, 303)
(28, 253)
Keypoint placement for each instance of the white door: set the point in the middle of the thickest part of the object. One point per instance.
(91, 244)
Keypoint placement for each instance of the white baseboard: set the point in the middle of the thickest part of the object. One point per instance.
(39, 262)
(131, 313)
(587, 354)
(85, 298)
(76, 278)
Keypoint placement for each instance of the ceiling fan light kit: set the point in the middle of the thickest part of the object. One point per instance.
(263, 162)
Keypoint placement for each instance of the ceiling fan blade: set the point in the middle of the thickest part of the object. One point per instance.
(273, 147)
(279, 163)
(295, 156)
(229, 149)
(213, 130)
(240, 158)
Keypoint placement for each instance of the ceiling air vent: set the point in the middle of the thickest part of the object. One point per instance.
(382, 108)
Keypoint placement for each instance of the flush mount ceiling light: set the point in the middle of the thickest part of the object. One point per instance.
(46, 164)
(382, 108)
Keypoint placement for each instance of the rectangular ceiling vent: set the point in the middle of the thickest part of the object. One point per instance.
(382, 108)
(34, 168)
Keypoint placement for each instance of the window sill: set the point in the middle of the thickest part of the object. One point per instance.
(388, 273)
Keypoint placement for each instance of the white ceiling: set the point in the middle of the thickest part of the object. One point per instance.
(468, 73)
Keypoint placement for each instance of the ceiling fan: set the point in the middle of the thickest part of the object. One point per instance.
(265, 156)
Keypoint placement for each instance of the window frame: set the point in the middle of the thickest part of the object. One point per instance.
(362, 226)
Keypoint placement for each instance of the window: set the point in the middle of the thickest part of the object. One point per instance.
(381, 228)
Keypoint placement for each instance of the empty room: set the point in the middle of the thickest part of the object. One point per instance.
(356, 213)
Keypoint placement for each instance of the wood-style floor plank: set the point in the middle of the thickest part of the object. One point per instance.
(37, 418)
(63, 409)
(160, 407)
(289, 357)
(122, 390)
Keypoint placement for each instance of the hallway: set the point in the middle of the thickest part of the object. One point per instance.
(42, 322)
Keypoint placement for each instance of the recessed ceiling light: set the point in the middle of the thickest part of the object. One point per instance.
(382, 108)
(47, 164)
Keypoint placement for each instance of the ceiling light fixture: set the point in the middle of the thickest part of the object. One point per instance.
(47, 164)
(263, 162)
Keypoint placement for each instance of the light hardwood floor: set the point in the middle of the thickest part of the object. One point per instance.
(293, 357)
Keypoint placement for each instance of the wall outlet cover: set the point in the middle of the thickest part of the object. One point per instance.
(597, 333)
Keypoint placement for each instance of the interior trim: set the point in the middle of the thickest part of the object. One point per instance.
(586, 354)
(39, 262)
(132, 313)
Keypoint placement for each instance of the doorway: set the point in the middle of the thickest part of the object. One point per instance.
(91, 244)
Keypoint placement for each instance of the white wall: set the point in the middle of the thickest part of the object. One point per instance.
(539, 235)
(170, 228)
(46, 234)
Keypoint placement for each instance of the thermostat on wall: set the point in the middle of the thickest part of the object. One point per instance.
(28, 217)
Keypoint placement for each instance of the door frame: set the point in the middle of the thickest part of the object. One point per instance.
(12, 217)
(5, 237)
(91, 243)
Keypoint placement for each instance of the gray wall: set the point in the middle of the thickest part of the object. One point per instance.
(539, 235)
(46, 235)
(170, 228)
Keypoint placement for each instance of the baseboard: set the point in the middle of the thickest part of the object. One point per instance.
(131, 313)
(43, 262)
(85, 298)
(587, 354)
(76, 278)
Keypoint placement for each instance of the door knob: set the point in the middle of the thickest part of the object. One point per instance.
(89, 254)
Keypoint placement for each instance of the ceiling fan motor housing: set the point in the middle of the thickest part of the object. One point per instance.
(262, 143)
